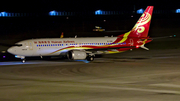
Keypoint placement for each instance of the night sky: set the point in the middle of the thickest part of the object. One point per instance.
(83, 5)
(45, 26)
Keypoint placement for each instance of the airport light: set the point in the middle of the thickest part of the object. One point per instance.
(53, 13)
(3, 14)
(140, 11)
(56, 13)
(98, 12)
(177, 10)
(7, 14)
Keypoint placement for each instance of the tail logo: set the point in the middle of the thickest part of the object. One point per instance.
(139, 27)
(131, 42)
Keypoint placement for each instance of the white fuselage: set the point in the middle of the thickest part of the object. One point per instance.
(54, 46)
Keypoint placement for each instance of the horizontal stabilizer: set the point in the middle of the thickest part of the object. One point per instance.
(143, 47)
(172, 36)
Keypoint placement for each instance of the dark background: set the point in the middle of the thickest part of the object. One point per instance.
(82, 5)
(41, 25)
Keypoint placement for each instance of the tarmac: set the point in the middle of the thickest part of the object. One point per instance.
(137, 75)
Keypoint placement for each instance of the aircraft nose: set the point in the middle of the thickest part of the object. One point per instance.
(11, 50)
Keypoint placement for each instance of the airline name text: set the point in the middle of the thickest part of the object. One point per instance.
(51, 42)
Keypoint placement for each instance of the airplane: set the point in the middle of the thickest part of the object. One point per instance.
(62, 35)
(86, 48)
(98, 29)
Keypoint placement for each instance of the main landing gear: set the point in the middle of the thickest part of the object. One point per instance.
(90, 58)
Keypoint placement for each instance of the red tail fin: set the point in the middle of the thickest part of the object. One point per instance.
(141, 28)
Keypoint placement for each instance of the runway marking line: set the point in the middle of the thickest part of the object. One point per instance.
(166, 85)
(124, 88)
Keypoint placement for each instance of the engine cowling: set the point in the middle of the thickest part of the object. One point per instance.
(76, 55)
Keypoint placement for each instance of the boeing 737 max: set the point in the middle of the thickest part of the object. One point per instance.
(86, 48)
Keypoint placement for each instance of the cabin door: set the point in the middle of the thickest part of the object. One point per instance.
(30, 45)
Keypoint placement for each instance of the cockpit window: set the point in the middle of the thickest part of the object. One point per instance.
(18, 45)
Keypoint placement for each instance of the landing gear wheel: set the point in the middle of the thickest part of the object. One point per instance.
(90, 58)
(23, 60)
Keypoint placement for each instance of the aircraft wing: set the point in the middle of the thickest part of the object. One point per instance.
(172, 36)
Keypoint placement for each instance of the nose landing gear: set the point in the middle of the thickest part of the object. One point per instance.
(23, 60)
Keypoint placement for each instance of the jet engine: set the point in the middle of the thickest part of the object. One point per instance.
(76, 55)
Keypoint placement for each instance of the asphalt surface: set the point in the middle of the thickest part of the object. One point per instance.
(138, 75)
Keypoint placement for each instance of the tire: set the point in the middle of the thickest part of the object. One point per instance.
(90, 58)
(23, 61)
